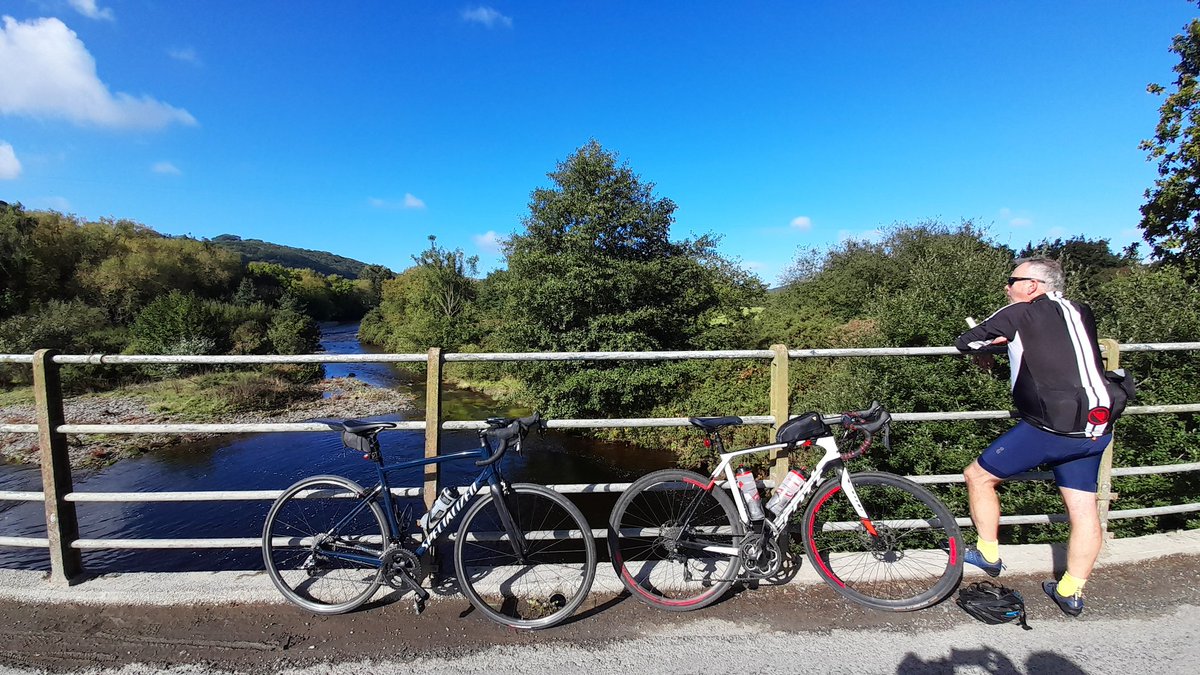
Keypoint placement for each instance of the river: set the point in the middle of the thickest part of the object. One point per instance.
(274, 461)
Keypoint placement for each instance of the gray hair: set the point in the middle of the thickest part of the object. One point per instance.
(1047, 270)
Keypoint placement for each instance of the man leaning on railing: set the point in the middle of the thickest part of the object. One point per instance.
(1067, 408)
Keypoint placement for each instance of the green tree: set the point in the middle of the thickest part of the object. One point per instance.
(15, 230)
(428, 305)
(175, 323)
(596, 270)
(375, 275)
(1088, 263)
(447, 277)
(1171, 214)
(292, 331)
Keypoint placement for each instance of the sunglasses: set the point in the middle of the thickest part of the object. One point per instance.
(1013, 280)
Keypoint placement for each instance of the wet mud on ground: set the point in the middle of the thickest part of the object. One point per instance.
(264, 638)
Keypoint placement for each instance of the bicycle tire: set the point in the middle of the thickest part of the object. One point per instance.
(537, 589)
(296, 565)
(908, 566)
(645, 532)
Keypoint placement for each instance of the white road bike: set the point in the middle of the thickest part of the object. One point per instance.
(679, 540)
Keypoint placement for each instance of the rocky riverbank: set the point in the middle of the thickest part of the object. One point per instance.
(337, 397)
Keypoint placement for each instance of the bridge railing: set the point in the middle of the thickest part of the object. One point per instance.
(62, 529)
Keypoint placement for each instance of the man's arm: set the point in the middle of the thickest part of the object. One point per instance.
(991, 336)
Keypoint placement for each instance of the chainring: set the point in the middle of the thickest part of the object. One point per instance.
(761, 557)
(398, 563)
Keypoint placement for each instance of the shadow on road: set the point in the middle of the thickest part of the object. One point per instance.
(989, 661)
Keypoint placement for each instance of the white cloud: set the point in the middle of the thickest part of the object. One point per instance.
(10, 166)
(409, 202)
(1015, 218)
(487, 16)
(802, 223)
(59, 204)
(89, 9)
(48, 72)
(166, 168)
(488, 242)
(186, 55)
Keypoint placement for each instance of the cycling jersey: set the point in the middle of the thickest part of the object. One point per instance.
(1057, 376)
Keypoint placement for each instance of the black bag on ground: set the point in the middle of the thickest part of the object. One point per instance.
(992, 604)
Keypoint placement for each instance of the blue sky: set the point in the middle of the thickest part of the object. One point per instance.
(361, 128)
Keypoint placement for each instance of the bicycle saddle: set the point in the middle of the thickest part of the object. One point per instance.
(714, 423)
(360, 427)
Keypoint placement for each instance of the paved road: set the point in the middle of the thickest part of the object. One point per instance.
(1142, 615)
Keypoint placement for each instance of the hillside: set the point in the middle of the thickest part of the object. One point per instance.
(321, 262)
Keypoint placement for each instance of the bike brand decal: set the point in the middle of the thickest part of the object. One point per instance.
(453, 511)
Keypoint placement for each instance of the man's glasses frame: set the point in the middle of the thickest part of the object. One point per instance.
(1013, 280)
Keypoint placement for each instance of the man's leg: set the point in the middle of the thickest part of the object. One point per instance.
(985, 503)
(985, 512)
(1084, 544)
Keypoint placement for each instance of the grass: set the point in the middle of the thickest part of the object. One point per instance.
(216, 395)
(16, 396)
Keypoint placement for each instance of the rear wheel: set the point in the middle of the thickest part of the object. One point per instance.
(536, 583)
(674, 539)
(906, 557)
(309, 529)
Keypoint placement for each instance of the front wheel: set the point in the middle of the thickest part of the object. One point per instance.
(321, 545)
(674, 538)
(527, 562)
(905, 556)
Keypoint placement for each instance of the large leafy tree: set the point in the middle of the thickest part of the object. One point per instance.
(596, 270)
(428, 305)
(1171, 214)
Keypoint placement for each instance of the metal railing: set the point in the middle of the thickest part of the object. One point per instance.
(64, 543)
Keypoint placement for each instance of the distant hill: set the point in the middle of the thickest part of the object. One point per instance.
(322, 262)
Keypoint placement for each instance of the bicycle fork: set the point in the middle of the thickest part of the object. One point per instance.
(852, 495)
(515, 535)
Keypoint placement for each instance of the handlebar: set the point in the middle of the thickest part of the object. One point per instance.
(505, 430)
(868, 423)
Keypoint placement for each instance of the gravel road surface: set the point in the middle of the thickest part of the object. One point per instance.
(1142, 614)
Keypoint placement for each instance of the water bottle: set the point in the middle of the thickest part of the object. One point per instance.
(443, 502)
(745, 483)
(786, 490)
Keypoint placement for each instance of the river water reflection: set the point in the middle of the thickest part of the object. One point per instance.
(274, 461)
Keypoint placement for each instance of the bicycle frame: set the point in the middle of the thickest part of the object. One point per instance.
(490, 477)
(831, 461)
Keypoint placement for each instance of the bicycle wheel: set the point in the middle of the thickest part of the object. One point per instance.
(674, 540)
(536, 587)
(307, 527)
(911, 561)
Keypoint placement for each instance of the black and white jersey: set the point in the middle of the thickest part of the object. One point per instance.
(1058, 379)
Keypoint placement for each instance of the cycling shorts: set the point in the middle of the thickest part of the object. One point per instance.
(1075, 460)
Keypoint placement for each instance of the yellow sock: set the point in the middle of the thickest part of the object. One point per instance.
(1069, 585)
(989, 549)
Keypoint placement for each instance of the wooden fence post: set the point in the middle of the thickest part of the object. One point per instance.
(433, 422)
(780, 403)
(62, 524)
(1111, 351)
